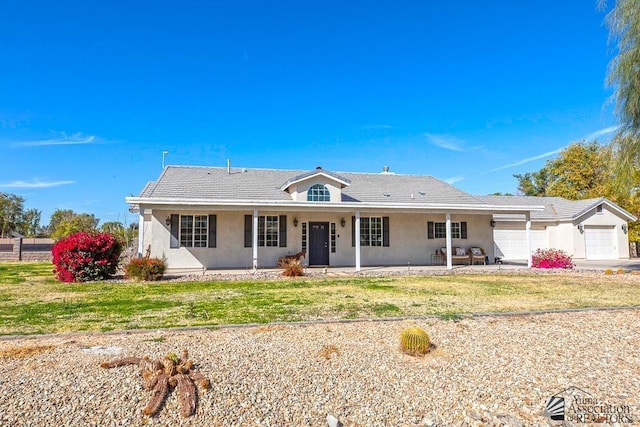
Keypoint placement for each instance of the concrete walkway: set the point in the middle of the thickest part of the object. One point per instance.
(631, 264)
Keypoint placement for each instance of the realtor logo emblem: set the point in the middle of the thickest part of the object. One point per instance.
(554, 408)
(575, 405)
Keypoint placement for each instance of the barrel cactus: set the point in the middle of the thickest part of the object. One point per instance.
(414, 341)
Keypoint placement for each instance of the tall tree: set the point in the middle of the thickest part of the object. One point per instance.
(579, 172)
(624, 31)
(125, 234)
(31, 223)
(66, 222)
(11, 213)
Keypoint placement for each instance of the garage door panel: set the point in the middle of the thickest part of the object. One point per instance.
(599, 243)
(512, 244)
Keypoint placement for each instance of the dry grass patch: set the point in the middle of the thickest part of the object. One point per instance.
(22, 352)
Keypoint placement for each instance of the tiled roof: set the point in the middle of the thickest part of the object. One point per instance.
(556, 208)
(214, 183)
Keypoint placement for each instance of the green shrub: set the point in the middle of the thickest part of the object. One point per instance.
(145, 269)
(414, 341)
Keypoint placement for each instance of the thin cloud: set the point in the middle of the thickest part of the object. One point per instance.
(601, 132)
(527, 160)
(454, 179)
(591, 136)
(366, 127)
(35, 184)
(75, 139)
(447, 142)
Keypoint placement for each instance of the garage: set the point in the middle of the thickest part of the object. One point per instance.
(600, 243)
(512, 244)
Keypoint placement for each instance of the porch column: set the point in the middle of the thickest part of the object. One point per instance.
(448, 232)
(527, 227)
(356, 233)
(254, 243)
(140, 233)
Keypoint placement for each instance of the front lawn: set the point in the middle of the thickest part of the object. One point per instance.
(33, 302)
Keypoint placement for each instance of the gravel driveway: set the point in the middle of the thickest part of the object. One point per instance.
(484, 371)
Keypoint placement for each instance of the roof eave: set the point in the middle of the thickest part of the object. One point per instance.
(323, 205)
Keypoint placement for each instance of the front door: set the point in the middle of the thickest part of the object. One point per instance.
(318, 243)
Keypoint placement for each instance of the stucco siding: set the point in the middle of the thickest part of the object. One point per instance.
(408, 242)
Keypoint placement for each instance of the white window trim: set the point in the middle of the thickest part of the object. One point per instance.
(193, 232)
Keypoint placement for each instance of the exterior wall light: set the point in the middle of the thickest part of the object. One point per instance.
(492, 223)
(168, 220)
(295, 222)
(342, 222)
(581, 228)
(624, 228)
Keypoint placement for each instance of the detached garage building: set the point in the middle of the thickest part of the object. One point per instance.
(591, 229)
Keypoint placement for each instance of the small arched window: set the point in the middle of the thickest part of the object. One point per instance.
(318, 193)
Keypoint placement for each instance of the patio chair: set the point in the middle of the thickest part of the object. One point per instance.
(478, 255)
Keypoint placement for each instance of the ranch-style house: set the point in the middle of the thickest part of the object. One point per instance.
(220, 218)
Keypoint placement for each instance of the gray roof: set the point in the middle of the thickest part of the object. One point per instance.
(214, 183)
(556, 208)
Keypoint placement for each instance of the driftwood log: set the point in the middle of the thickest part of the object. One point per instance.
(162, 375)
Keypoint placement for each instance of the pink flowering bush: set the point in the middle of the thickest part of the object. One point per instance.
(552, 258)
(83, 256)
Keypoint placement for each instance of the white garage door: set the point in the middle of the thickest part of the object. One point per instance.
(599, 243)
(512, 244)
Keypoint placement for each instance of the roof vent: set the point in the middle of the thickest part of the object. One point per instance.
(318, 167)
(385, 169)
(386, 194)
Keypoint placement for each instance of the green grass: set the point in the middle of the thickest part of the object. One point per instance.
(33, 302)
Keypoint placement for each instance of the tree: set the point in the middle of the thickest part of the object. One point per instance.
(624, 30)
(57, 217)
(31, 223)
(11, 213)
(66, 222)
(579, 172)
(126, 235)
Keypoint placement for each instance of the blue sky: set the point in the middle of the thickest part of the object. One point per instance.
(470, 92)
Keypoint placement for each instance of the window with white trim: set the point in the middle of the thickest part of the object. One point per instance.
(371, 231)
(318, 193)
(194, 230)
(268, 227)
(438, 230)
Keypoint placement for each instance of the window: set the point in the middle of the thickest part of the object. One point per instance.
(333, 237)
(318, 193)
(304, 236)
(438, 230)
(194, 231)
(374, 231)
(272, 230)
(268, 230)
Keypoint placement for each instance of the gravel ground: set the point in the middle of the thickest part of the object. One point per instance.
(484, 371)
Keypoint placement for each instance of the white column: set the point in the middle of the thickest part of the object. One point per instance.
(254, 243)
(448, 231)
(140, 233)
(356, 232)
(527, 228)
